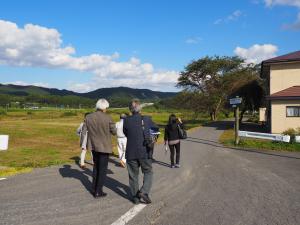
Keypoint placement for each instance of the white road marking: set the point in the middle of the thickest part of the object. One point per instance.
(3, 178)
(129, 215)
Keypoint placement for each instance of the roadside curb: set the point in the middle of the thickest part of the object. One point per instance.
(295, 155)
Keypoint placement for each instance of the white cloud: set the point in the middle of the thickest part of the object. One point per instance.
(83, 87)
(193, 40)
(37, 46)
(294, 26)
(270, 3)
(159, 81)
(256, 53)
(295, 3)
(233, 16)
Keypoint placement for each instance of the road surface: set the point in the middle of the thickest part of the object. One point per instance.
(215, 185)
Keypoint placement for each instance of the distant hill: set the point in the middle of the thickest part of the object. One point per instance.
(19, 90)
(109, 93)
(125, 92)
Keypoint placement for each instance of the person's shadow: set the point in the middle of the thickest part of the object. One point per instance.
(161, 163)
(121, 189)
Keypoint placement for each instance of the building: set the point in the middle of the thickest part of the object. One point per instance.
(283, 101)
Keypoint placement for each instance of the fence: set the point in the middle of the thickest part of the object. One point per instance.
(272, 137)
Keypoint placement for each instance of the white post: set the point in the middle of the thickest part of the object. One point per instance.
(4, 142)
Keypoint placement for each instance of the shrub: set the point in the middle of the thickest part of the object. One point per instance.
(253, 118)
(291, 132)
(70, 113)
(2, 112)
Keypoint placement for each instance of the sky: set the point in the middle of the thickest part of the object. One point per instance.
(85, 45)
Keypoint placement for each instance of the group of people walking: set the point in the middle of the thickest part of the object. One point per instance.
(136, 136)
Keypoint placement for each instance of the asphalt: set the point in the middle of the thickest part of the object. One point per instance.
(215, 185)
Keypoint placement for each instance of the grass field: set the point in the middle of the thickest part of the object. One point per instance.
(227, 138)
(41, 138)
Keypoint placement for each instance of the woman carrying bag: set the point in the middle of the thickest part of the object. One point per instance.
(174, 131)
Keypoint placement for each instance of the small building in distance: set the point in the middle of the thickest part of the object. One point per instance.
(283, 92)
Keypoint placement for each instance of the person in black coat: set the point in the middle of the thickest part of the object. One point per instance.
(172, 139)
(137, 128)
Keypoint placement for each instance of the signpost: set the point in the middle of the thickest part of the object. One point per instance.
(235, 102)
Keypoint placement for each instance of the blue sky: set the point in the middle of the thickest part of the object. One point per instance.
(85, 45)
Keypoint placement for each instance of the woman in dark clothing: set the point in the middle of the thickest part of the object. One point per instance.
(172, 139)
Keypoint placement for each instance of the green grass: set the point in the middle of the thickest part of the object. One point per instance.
(227, 138)
(48, 137)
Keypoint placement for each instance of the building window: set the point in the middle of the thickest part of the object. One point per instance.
(293, 111)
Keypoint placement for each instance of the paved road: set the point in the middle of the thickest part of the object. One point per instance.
(215, 185)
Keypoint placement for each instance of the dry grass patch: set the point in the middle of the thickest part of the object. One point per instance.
(45, 138)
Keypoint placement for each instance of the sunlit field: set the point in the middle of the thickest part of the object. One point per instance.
(40, 138)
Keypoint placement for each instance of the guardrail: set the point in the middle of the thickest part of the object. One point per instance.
(272, 137)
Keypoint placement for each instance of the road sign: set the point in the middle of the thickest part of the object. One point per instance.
(235, 101)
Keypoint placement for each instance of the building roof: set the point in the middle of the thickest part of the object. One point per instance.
(291, 57)
(286, 94)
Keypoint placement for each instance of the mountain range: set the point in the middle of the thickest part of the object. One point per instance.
(109, 93)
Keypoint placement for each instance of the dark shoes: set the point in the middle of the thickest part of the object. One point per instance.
(144, 197)
(136, 200)
(100, 195)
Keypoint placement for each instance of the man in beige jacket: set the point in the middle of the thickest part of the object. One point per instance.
(100, 127)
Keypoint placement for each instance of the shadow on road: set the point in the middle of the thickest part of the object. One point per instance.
(263, 152)
(200, 139)
(115, 162)
(220, 125)
(161, 163)
(84, 176)
(205, 142)
(247, 126)
(223, 125)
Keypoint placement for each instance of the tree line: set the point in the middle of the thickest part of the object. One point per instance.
(70, 101)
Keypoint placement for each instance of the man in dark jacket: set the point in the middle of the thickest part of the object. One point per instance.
(100, 127)
(137, 128)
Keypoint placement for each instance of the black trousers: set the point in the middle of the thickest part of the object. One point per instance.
(172, 153)
(99, 170)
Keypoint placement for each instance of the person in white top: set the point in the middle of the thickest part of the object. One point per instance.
(122, 140)
(83, 134)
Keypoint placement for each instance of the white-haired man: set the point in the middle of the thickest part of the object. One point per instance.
(100, 127)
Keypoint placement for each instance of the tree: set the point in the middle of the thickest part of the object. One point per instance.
(252, 93)
(213, 79)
